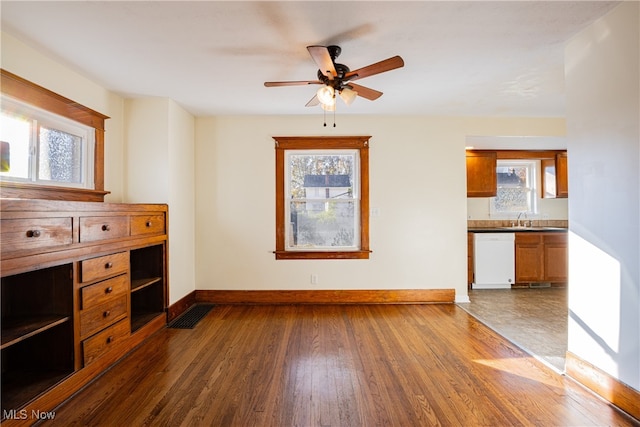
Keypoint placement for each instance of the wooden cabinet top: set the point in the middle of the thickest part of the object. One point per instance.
(43, 233)
(25, 205)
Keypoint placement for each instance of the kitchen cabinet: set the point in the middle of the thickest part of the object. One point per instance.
(562, 176)
(82, 284)
(555, 180)
(541, 257)
(481, 173)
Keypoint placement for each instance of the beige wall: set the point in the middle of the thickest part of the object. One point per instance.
(417, 182)
(159, 137)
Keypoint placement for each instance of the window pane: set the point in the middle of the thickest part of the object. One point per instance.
(15, 132)
(322, 223)
(312, 175)
(512, 176)
(60, 156)
(512, 199)
(323, 206)
(515, 188)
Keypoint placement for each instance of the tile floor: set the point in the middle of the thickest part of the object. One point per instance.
(533, 319)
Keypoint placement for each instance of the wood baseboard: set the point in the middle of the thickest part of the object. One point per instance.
(402, 296)
(180, 306)
(603, 384)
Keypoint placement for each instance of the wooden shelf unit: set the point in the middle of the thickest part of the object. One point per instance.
(80, 293)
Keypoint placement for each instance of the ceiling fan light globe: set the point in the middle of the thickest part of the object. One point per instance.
(348, 95)
(328, 107)
(326, 95)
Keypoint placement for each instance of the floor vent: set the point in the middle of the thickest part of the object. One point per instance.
(539, 285)
(191, 317)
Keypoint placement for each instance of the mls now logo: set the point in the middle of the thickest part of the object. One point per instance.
(23, 414)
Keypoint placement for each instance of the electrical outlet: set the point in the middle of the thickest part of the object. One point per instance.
(314, 279)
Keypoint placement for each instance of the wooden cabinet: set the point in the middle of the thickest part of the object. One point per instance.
(82, 284)
(541, 257)
(562, 175)
(481, 173)
(555, 257)
(529, 257)
(555, 180)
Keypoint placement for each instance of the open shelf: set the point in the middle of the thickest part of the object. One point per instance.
(21, 387)
(17, 329)
(37, 332)
(140, 319)
(139, 284)
(148, 295)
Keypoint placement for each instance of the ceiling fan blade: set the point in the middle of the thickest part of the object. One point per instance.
(365, 92)
(293, 83)
(313, 102)
(320, 55)
(377, 68)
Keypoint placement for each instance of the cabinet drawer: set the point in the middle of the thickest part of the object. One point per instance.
(104, 266)
(102, 342)
(147, 224)
(99, 317)
(104, 291)
(93, 228)
(528, 238)
(555, 238)
(36, 233)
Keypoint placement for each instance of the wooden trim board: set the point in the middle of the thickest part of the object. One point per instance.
(603, 384)
(180, 306)
(401, 296)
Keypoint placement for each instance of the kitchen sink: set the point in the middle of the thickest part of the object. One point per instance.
(534, 228)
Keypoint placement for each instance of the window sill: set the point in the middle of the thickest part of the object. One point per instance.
(322, 254)
(19, 190)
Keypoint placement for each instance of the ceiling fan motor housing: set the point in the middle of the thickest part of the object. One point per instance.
(337, 82)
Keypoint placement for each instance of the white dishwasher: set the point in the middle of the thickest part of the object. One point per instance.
(494, 260)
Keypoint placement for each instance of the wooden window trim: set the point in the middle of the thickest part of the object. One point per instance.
(361, 143)
(32, 94)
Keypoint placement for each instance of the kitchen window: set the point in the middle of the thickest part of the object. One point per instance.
(322, 198)
(516, 180)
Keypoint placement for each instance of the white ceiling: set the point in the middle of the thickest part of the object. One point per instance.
(461, 58)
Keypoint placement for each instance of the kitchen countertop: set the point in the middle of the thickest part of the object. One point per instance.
(516, 229)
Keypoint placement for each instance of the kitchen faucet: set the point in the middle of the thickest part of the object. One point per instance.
(525, 219)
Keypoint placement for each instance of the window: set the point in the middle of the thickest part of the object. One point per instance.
(44, 148)
(516, 188)
(322, 197)
(53, 146)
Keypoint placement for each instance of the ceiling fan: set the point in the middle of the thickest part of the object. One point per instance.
(336, 79)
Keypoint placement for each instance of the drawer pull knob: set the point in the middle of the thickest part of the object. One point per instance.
(148, 223)
(33, 233)
(109, 340)
(108, 265)
(106, 313)
(106, 227)
(108, 290)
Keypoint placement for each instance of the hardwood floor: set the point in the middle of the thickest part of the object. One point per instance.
(330, 365)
